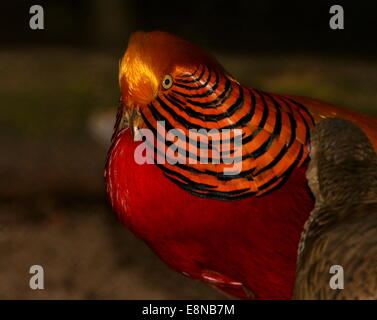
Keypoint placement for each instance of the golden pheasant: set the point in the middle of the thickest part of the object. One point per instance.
(237, 230)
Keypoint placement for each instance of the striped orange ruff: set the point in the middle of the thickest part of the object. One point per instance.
(275, 133)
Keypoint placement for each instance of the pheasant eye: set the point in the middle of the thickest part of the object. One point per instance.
(167, 82)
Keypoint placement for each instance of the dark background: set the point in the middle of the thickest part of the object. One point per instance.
(58, 96)
(241, 25)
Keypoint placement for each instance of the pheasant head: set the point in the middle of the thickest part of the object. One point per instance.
(150, 65)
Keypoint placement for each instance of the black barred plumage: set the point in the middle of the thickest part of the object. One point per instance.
(275, 130)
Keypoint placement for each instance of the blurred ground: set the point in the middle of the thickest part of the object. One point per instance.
(53, 210)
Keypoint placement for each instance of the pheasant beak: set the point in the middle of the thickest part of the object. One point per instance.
(134, 120)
